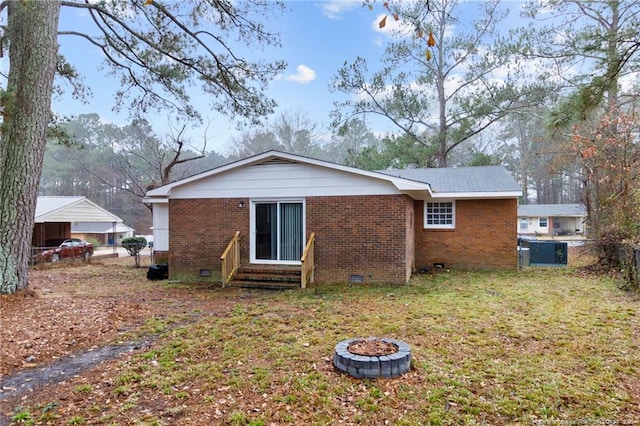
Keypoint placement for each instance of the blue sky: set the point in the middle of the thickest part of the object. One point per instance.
(317, 37)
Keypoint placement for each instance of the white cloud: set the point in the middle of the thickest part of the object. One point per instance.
(336, 8)
(304, 75)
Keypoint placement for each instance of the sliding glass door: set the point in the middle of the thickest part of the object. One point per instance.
(278, 230)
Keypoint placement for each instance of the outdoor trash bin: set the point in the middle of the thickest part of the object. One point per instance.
(158, 272)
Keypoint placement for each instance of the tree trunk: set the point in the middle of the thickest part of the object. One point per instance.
(32, 28)
(441, 81)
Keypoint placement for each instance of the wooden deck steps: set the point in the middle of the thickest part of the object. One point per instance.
(275, 277)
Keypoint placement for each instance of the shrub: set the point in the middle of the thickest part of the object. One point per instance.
(133, 245)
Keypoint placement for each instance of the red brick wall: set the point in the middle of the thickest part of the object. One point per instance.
(484, 237)
(363, 235)
(160, 256)
(199, 231)
(379, 237)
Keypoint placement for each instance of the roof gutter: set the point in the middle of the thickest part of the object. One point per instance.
(476, 195)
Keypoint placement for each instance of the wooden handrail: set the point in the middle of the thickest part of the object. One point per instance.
(308, 262)
(230, 259)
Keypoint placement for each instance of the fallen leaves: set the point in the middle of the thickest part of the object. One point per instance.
(60, 314)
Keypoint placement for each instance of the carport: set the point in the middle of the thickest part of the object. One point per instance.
(55, 215)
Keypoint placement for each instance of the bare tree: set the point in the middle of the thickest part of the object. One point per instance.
(291, 131)
(437, 87)
(157, 50)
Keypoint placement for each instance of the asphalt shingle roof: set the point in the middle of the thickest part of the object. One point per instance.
(461, 179)
(557, 210)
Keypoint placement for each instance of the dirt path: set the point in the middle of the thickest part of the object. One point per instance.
(59, 370)
(17, 385)
(77, 316)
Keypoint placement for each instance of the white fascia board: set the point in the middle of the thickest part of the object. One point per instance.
(421, 195)
(556, 215)
(155, 200)
(407, 185)
(476, 195)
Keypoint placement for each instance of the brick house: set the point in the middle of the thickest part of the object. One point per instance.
(376, 226)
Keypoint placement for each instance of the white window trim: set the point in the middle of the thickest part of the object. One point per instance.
(546, 219)
(523, 224)
(440, 226)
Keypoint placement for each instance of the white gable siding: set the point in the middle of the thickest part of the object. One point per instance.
(83, 211)
(161, 226)
(283, 180)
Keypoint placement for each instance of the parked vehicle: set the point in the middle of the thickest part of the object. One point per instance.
(61, 248)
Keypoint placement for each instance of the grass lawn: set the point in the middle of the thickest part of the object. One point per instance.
(539, 346)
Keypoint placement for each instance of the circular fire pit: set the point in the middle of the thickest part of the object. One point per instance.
(373, 357)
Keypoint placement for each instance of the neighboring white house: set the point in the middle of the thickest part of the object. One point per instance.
(55, 216)
(103, 232)
(552, 220)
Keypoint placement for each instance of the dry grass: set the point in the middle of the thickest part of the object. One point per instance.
(539, 346)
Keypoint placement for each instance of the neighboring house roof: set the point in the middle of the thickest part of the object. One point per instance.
(455, 181)
(497, 180)
(552, 210)
(71, 209)
(99, 227)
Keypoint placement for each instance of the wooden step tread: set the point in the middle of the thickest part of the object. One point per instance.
(264, 284)
(267, 276)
